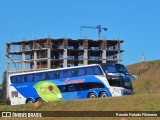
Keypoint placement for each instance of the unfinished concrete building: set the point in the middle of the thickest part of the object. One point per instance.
(47, 53)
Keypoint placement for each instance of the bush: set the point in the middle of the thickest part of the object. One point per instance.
(4, 102)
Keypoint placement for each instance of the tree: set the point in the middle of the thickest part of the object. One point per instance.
(4, 85)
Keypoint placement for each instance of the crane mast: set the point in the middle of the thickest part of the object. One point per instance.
(99, 29)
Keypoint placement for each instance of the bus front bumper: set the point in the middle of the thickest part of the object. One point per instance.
(127, 92)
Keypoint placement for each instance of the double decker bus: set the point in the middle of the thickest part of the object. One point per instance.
(79, 82)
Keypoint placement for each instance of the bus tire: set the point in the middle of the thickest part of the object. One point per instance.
(92, 95)
(29, 101)
(40, 100)
(103, 94)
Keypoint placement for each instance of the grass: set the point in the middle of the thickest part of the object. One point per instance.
(146, 98)
(144, 102)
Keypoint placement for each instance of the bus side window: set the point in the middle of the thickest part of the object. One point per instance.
(71, 88)
(50, 75)
(47, 76)
(62, 88)
(61, 74)
(56, 75)
(81, 86)
(97, 71)
(89, 71)
(13, 79)
(100, 85)
(81, 71)
(91, 85)
(64, 73)
(74, 72)
(39, 76)
(69, 73)
(30, 78)
(23, 78)
(17, 79)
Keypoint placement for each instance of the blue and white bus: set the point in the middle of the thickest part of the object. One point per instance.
(89, 81)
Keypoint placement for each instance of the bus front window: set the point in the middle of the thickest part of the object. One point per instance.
(122, 69)
(109, 68)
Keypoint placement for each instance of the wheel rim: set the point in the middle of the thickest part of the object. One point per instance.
(104, 95)
(92, 96)
(29, 101)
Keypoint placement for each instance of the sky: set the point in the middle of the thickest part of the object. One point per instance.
(137, 22)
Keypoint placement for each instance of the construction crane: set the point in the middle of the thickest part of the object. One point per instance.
(99, 29)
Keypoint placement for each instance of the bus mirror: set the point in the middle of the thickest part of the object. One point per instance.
(135, 77)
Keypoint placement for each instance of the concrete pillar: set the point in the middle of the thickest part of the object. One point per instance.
(103, 56)
(118, 54)
(23, 63)
(104, 47)
(35, 58)
(49, 58)
(118, 57)
(65, 62)
(85, 56)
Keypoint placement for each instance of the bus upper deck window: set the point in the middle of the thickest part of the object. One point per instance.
(74, 72)
(89, 71)
(23, 78)
(17, 79)
(13, 79)
(65, 73)
(109, 68)
(30, 78)
(97, 71)
(56, 75)
(39, 76)
(81, 71)
(49, 75)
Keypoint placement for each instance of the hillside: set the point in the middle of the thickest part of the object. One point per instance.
(149, 77)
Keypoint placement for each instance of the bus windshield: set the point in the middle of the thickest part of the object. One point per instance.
(109, 69)
(117, 75)
(121, 68)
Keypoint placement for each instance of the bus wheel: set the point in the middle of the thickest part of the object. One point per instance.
(29, 101)
(103, 94)
(40, 100)
(92, 95)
